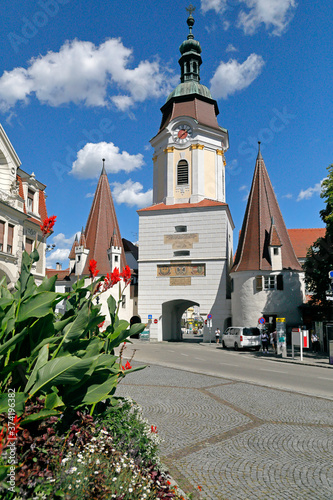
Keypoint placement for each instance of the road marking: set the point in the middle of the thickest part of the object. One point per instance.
(187, 355)
(169, 350)
(228, 364)
(324, 378)
(200, 359)
(268, 370)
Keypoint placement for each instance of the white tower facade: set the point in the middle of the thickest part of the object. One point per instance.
(185, 237)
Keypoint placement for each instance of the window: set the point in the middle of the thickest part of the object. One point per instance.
(67, 289)
(123, 301)
(269, 282)
(30, 201)
(182, 173)
(181, 253)
(10, 238)
(116, 258)
(181, 229)
(28, 245)
(2, 233)
(276, 251)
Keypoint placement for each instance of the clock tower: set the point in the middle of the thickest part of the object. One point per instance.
(185, 237)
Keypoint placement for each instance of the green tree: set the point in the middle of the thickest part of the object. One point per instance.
(319, 260)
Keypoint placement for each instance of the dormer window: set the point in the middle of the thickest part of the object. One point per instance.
(30, 201)
(182, 173)
(276, 250)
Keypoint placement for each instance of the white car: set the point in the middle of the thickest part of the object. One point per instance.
(239, 337)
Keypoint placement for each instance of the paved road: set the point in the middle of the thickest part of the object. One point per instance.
(247, 366)
(234, 438)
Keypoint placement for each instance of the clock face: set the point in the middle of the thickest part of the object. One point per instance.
(182, 133)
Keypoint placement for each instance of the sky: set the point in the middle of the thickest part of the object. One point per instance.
(85, 80)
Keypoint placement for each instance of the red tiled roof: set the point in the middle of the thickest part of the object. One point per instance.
(62, 273)
(202, 204)
(72, 252)
(102, 228)
(302, 239)
(42, 205)
(262, 212)
(274, 237)
(202, 111)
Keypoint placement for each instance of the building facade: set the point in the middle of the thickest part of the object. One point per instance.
(22, 211)
(185, 237)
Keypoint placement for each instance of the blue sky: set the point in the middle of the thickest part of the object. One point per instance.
(85, 80)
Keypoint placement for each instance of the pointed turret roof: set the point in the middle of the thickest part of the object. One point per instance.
(102, 228)
(72, 252)
(263, 226)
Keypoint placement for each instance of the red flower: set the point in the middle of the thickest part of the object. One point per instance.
(128, 366)
(126, 275)
(153, 429)
(101, 324)
(199, 488)
(111, 279)
(92, 268)
(48, 224)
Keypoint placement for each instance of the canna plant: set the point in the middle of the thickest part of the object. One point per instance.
(66, 361)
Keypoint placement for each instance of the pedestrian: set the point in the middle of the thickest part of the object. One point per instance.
(315, 342)
(264, 341)
(274, 338)
(217, 335)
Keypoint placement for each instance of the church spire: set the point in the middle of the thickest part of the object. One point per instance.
(190, 50)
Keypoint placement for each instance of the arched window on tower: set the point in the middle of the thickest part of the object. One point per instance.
(194, 67)
(182, 173)
(188, 67)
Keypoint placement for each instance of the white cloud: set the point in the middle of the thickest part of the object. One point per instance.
(275, 14)
(289, 196)
(89, 160)
(218, 5)
(243, 188)
(306, 194)
(233, 76)
(231, 48)
(61, 252)
(89, 195)
(84, 73)
(131, 194)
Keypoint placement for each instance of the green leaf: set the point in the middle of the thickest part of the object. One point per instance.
(49, 340)
(13, 341)
(122, 336)
(43, 414)
(78, 326)
(112, 304)
(20, 399)
(34, 255)
(5, 302)
(97, 392)
(64, 370)
(41, 361)
(60, 325)
(48, 284)
(53, 401)
(37, 306)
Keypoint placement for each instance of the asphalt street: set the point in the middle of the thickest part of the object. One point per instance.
(237, 425)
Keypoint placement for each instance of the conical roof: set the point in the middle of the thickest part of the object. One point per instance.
(102, 228)
(72, 252)
(263, 226)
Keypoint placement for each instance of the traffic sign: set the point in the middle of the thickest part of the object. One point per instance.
(261, 321)
(155, 321)
(150, 316)
(209, 316)
(330, 274)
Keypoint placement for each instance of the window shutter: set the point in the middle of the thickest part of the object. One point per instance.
(279, 282)
(182, 172)
(259, 283)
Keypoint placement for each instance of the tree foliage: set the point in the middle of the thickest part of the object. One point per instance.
(319, 259)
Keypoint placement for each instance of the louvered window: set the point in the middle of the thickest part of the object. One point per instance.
(258, 283)
(182, 172)
(10, 238)
(2, 233)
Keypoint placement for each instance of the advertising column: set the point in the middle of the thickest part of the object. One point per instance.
(281, 333)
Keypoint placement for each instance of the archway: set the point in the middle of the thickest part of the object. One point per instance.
(172, 312)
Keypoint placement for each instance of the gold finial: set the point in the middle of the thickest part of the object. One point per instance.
(190, 9)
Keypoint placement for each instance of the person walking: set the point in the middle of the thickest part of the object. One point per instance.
(274, 338)
(217, 335)
(264, 341)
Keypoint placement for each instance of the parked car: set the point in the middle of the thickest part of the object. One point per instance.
(239, 337)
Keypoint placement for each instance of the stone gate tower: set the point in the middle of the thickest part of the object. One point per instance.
(185, 237)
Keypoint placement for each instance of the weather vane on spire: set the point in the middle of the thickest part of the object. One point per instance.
(190, 9)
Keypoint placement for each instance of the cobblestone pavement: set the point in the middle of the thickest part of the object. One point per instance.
(237, 440)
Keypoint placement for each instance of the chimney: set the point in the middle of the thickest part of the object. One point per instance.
(58, 266)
